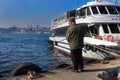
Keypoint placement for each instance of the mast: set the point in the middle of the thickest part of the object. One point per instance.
(97, 0)
(115, 1)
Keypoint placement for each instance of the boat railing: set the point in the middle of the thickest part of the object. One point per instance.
(62, 21)
(55, 24)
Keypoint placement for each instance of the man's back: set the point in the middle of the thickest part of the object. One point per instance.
(75, 35)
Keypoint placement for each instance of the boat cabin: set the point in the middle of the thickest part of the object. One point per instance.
(63, 18)
(108, 32)
(103, 20)
(104, 16)
(60, 23)
(98, 8)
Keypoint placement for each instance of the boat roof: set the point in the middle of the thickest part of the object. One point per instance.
(97, 3)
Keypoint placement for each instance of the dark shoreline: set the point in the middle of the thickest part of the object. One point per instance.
(92, 72)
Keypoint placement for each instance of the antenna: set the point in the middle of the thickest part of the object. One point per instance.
(97, 0)
(115, 1)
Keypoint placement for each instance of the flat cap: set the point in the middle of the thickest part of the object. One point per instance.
(72, 20)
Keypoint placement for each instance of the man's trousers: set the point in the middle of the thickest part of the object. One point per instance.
(77, 59)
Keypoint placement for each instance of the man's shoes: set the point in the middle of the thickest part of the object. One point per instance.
(78, 71)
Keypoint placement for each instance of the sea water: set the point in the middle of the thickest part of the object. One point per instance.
(20, 48)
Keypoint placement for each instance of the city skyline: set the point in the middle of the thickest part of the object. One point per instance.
(26, 30)
(34, 12)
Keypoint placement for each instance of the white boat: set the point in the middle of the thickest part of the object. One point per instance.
(103, 20)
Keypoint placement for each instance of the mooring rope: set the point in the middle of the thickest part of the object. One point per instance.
(106, 50)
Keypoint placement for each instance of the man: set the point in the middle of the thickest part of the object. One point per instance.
(74, 36)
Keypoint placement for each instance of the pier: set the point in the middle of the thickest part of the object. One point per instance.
(93, 71)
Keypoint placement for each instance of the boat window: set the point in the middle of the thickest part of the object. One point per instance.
(114, 28)
(88, 11)
(71, 14)
(60, 31)
(94, 30)
(105, 28)
(78, 13)
(119, 26)
(102, 9)
(112, 9)
(94, 10)
(61, 17)
(52, 33)
(118, 8)
(83, 12)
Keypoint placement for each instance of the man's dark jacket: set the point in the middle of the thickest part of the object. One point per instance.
(75, 35)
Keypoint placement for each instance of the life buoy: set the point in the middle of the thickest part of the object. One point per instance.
(100, 38)
(110, 38)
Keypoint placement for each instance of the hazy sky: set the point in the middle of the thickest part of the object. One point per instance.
(34, 12)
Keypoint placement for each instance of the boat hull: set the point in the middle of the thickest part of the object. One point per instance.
(61, 45)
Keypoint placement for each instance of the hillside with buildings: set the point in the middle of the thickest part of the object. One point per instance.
(28, 29)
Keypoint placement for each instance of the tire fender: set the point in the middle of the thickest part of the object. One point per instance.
(23, 68)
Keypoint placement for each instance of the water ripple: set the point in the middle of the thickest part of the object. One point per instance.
(19, 48)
